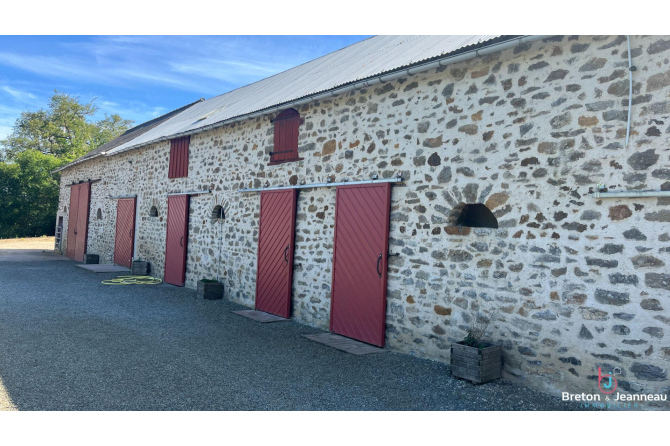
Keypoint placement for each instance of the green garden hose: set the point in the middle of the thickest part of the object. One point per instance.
(132, 280)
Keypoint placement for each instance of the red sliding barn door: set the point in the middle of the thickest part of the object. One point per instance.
(177, 238)
(358, 301)
(77, 230)
(82, 220)
(125, 231)
(276, 236)
(72, 221)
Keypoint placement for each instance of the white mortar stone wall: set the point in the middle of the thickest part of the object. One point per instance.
(577, 283)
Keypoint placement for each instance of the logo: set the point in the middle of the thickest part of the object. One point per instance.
(606, 383)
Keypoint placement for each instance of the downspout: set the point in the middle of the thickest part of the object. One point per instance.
(137, 224)
(632, 194)
(629, 194)
(218, 265)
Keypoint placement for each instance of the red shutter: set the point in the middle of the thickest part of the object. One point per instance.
(178, 167)
(184, 155)
(284, 149)
(286, 137)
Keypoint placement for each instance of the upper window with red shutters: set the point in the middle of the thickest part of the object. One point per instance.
(179, 157)
(286, 137)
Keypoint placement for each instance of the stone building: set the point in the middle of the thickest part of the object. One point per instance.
(494, 149)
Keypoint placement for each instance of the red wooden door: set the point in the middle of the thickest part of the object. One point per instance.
(276, 236)
(82, 221)
(358, 300)
(125, 231)
(72, 222)
(177, 238)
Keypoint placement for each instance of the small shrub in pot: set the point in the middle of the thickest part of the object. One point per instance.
(210, 289)
(473, 358)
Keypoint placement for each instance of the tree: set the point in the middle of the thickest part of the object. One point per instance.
(28, 195)
(9, 189)
(41, 142)
(63, 130)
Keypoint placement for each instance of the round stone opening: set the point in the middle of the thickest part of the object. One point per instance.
(217, 213)
(476, 216)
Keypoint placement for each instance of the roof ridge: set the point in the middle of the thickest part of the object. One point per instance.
(102, 148)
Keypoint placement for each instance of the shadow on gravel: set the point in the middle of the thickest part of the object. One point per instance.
(67, 342)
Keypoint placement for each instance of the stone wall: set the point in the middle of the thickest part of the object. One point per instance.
(575, 283)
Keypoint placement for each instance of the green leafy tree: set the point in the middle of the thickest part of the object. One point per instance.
(28, 195)
(9, 189)
(64, 129)
(41, 142)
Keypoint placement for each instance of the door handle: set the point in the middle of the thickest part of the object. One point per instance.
(379, 260)
(285, 252)
(75, 231)
(181, 241)
(130, 233)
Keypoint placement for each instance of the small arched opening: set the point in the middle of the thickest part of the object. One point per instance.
(476, 216)
(217, 213)
(98, 214)
(65, 209)
(153, 212)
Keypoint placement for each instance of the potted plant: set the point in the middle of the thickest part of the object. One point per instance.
(210, 289)
(139, 267)
(473, 358)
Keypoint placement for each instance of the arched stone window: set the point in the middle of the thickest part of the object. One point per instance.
(474, 216)
(65, 209)
(98, 214)
(153, 212)
(217, 213)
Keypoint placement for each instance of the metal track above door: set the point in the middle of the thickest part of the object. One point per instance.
(315, 185)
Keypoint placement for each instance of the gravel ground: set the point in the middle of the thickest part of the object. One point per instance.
(68, 342)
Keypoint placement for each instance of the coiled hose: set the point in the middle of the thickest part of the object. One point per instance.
(132, 280)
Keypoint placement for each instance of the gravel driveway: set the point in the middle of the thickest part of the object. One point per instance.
(69, 343)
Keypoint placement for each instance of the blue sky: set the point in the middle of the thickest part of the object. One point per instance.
(141, 77)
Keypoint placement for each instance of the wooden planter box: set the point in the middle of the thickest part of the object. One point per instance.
(478, 365)
(210, 290)
(90, 259)
(139, 268)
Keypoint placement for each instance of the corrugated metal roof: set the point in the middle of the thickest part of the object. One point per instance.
(362, 60)
(128, 136)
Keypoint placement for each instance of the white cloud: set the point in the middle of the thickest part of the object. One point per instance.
(82, 70)
(4, 131)
(17, 94)
(130, 75)
(5, 110)
(207, 65)
(8, 116)
(136, 110)
(158, 111)
(231, 71)
(47, 65)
